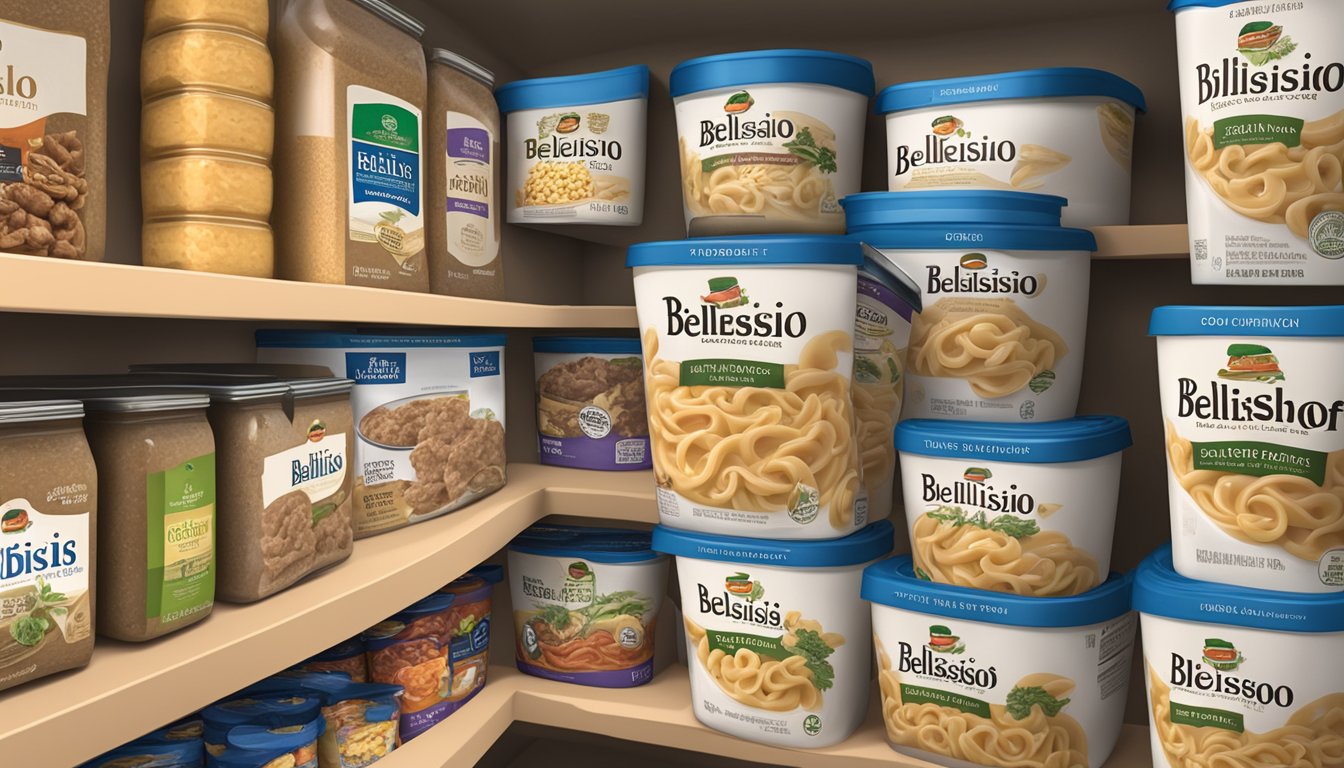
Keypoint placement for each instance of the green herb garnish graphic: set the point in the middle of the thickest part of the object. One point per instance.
(29, 630)
(1008, 525)
(804, 146)
(756, 593)
(815, 650)
(1021, 700)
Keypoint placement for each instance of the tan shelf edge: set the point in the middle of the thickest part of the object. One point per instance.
(1142, 241)
(35, 284)
(130, 689)
(658, 713)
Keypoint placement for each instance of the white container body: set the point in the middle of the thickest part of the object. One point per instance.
(881, 340)
(730, 635)
(1001, 335)
(952, 702)
(1279, 695)
(1068, 509)
(794, 325)
(587, 169)
(1255, 468)
(755, 171)
(1076, 147)
(1264, 141)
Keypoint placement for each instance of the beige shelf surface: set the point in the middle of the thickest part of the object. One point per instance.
(130, 689)
(658, 714)
(1142, 241)
(35, 284)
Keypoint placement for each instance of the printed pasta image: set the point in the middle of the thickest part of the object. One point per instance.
(758, 448)
(1289, 511)
(762, 682)
(1013, 736)
(1006, 554)
(1033, 163)
(993, 344)
(1313, 737)
(550, 183)
(350, 739)
(1116, 125)
(1274, 182)
(877, 406)
(616, 386)
(608, 634)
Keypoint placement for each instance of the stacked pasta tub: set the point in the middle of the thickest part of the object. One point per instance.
(207, 135)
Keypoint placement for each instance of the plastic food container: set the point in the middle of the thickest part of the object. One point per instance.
(585, 604)
(576, 147)
(1064, 131)
(1254, 426)
(1233, 674)
(977, 678)
(256, 746)
(346, 657)
(734, 328)
(780, 651)
(175, 746)
(590, 403)
(1264, 140)
(202, 119)
(250, 15)
(218, 58)
(208, 184)
(770, 140)
(1027, 509)
(210, 244)
(283, 706)
(469, 629)
(1000, 336)
(48, 485)
(411, 649)
(361, 723)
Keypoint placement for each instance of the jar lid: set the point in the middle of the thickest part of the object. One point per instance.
(782, 65)
(462, 63)
(749, 250)
(1023, 84)
(1247, 321)
(600, 545)
(1052, 442)
(574, 90)
(582, 344)
(272, 709)
(866, 544)
(30, 411)
(394, 16)
(253, 745)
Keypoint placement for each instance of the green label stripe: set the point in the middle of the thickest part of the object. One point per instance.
(730, 642)
(918, 694)
(731, 373)
(715, 162)
(1184, 714)
(1257, 129)
(388, 125)
(189, 585)
(1248, 457)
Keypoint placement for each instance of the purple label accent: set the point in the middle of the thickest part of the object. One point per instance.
(415, 723)
(610, 452)
(885, 295)
(469, 144)
(617, 678)
(475, 208)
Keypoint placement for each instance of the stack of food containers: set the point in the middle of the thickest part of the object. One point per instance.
(207, 134)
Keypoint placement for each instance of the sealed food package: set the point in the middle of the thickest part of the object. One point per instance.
(1225, 674)
(361, 725)
(469, 627)
(585, 604)
(413, 649)
(1027, 509)
(777, 639)
(259, 746)
(346, 657)
(1252, 415)
(280, 705)
(576, 147)
(428, 417)
(1064, 131)
(770, 141)
(1263, 115)
(1004, 318)
(970, 677)
(53, 129)
(174, 746)
(748, 356)
(49, 490)
(350, 140)
(590, 403)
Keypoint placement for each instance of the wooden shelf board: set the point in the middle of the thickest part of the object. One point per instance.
(1142, 241)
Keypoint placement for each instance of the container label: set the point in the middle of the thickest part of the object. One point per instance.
(44, 575)
(386, 173)
(181, 513)
(473, 219)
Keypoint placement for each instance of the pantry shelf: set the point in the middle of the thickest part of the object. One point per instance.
(1142, 241)
(128, 689)
(34, 284)
(660, 714)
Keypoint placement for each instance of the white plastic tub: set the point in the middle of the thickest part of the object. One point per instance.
(770, 140)
(748, 351)
(1005, 287)
(1027, 509)
(1063, 131)
(777, 637)
(1239, 676)
(1254, 426)
(978, 678)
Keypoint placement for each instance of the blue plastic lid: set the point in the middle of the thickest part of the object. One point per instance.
(1160, 591)
(336, 691)
(782, 65)
(1051, 442)
(600, 545)
(250, 746)
(345, 649)
(574, 90)
(893, 582)
(962, 220)
(167, 755)
(586, 344)
(1247, 321)
(866, 544)
(276, 709)
(337, 340)
(1176, 5)
(752, 250)
(1024, 84)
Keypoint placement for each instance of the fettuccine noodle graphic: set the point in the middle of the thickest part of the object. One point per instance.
(773, 685)
(1043, 564)
(1034, 162)
(995, 346)
(877, 406)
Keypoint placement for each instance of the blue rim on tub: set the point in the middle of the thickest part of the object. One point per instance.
(346, 656)
(1000, 335)
(585, 604)
(780, 65)
(361, 720)
(178, 745)
(590, 403)
(955, 662)
(1023, 84)
(1236, 672)
(619, 84)
(254, 746)
(786, 614)
(416, 638)
(729, 326)
(1252, 412)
